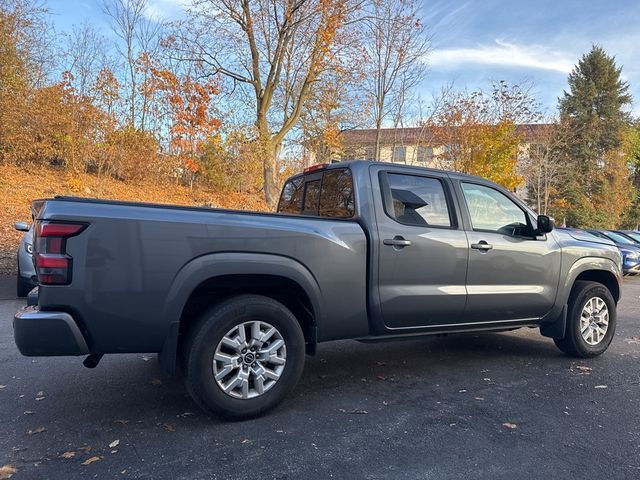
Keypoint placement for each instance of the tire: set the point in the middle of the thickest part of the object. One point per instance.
(574, 343)
(204, 346)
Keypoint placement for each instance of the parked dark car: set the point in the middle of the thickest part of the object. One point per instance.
(629, 250)
(26, 278)
(357, 250)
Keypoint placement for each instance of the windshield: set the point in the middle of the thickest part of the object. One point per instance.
(634, 235)
(616, 237)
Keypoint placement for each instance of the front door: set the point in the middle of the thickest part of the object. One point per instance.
(512, 274)
(423, 252)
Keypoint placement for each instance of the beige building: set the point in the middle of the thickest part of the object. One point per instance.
(418, 145)
(427, 147)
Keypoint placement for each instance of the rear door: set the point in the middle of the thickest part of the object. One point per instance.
(423, 251)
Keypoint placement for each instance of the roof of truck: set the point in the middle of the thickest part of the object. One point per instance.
(401, 166)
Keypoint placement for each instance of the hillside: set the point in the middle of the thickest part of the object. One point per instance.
(19, 186)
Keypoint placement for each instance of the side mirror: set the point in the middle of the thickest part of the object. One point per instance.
(545, 224)
(22, 226)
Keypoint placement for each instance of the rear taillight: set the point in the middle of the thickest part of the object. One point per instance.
(52, 262)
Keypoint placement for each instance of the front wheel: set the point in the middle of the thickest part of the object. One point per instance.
(591, 320)
(23, 285)
(244, 356)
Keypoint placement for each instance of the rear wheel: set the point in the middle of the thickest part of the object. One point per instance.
(243, 356)
(591, 320)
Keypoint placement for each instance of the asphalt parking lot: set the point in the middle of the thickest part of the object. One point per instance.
(504, 405)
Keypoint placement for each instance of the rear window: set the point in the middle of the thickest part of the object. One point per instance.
(327, 195)
(336, 196)
(311, 197)
(291, 198)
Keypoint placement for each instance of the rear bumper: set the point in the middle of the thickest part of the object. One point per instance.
(44, 334)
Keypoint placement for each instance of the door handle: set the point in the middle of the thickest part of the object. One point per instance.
(482, 245)
(397, 242)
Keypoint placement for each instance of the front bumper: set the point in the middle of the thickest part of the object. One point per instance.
(45, 334)
(631, 268)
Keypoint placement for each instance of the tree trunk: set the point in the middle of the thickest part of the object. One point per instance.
(377, 152)
(270, 152)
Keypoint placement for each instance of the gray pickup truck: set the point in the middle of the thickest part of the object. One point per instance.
(357, 250)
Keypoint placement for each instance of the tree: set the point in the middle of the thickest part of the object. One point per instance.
(24, 49)
(542, 167)
(254, 44)
(594, 109)
(191, 121)
(84, 56)
(140, 35)
(394, 44)
(478, 131)
(631, 151)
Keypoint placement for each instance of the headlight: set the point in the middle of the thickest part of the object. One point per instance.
(629, 255)
(29, 248)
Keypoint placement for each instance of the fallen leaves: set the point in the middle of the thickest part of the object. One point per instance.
(2, 387)
(6, 472)
(583, 369)
(122, 421)
(36, 431)
(68, 454)
(355, 412)
(39, 396)
(114, 444)
(90, 460)
(169, 427)
(156, 381)
(512, 426)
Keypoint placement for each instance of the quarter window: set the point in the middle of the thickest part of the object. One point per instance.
(419, 201)
(493, 211)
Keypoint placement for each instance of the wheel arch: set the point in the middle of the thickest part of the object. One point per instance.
(212, 278)
(603, 277)
(594, 269)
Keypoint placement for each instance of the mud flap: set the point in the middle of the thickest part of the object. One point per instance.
(557, 328)
(168, 356)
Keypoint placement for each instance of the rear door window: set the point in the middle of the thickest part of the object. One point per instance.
(418, 200)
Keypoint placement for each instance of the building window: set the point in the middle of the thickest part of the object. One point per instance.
(400, 154)
(424, 154)
(370, 153)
